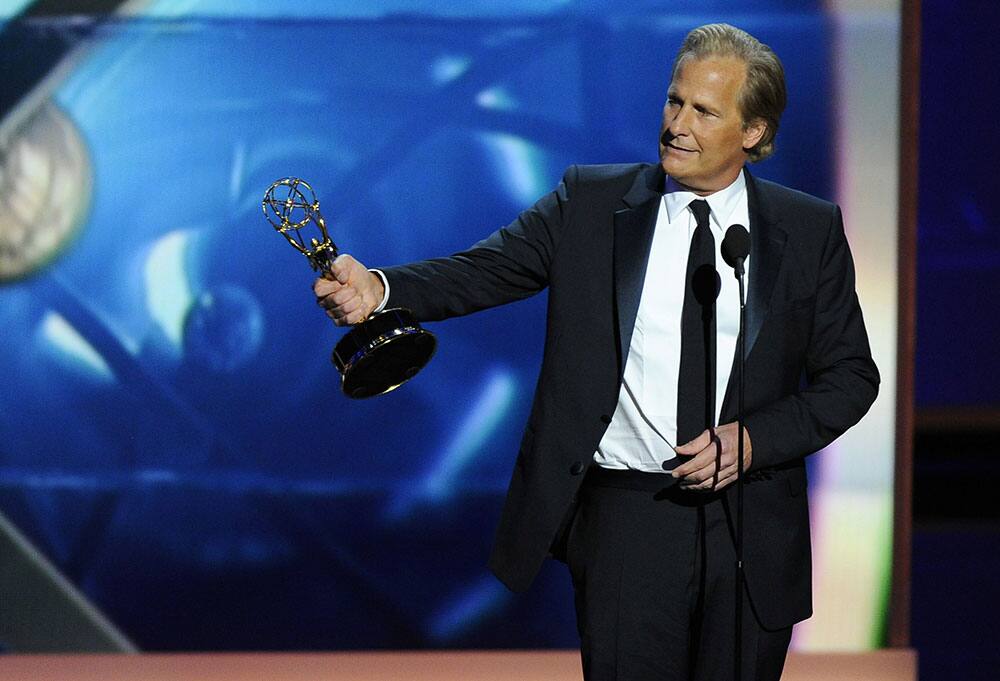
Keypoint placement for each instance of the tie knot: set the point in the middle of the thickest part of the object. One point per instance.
(701, 211)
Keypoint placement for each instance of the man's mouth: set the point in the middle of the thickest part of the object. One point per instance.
(674, 146)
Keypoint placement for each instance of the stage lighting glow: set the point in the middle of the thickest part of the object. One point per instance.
(519, 164)
(61, 336)
(168, 289)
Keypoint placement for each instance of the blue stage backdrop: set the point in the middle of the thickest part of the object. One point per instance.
(172, 433)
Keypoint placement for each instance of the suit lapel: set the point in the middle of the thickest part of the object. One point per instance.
(633, 237)
(767, 246)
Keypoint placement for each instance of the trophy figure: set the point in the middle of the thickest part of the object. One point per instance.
(379, 353)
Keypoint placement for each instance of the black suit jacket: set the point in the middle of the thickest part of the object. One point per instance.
(809, 372)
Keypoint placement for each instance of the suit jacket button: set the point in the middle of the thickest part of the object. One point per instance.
(605, 419)
(577, 468)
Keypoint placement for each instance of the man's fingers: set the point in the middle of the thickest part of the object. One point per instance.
(343, 267)
(341, 318)
(352, 310)
(350, 306)
(714, 466)
(712, 474)
(693, 464)
(718, 443)
(703, 450)
(704, 473)
(355, 317)
(348, 317)
(324, 286)
(713, 483)
(704, 468)
(344, 296)
(348, 292)
(341, 273)
(726, 481)
(695, 445)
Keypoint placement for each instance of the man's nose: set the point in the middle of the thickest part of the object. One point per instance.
(680, 124)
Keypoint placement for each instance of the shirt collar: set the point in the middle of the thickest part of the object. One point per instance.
(722, 203)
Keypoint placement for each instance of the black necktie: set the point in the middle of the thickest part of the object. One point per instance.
(696, 382)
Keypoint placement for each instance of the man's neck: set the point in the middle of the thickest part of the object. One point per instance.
(673, 185)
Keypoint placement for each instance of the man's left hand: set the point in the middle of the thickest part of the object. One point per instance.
(714, 459)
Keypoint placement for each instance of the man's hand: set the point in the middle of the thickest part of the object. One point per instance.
(714, 459)
(349, 292)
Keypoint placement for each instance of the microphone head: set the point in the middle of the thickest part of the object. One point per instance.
(736, 246)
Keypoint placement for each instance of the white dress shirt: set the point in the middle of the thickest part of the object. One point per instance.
(643, 429)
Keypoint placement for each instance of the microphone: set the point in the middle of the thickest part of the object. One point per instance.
(736, 248)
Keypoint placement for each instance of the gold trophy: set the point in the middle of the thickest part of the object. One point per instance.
(379, 353)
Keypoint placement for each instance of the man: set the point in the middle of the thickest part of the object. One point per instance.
(638, 356)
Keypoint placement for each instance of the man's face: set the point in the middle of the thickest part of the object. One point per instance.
(703, 137)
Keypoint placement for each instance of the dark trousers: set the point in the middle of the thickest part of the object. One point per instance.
(654, 575)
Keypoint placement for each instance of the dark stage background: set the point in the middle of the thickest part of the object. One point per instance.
(956, 541)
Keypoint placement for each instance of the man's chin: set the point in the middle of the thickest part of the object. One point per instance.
(683, 180)
(673, 167)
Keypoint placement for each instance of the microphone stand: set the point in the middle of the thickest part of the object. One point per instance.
(741, 347)
(735, 249)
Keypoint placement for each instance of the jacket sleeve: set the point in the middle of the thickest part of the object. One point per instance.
(841, 380)
(512, 263)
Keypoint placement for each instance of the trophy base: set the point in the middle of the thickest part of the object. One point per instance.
(382, 353)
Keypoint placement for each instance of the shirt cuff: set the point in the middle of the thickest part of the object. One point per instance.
(385, 284)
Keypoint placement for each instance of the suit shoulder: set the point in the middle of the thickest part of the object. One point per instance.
(787, 199)
(809, 220)
(611, 174)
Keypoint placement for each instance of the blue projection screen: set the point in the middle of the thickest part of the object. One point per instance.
(173, 434)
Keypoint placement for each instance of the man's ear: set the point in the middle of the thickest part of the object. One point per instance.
(753, 132)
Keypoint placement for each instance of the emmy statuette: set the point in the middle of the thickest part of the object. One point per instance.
(379, 353)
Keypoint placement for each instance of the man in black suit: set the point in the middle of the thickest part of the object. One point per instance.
(639, 349)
